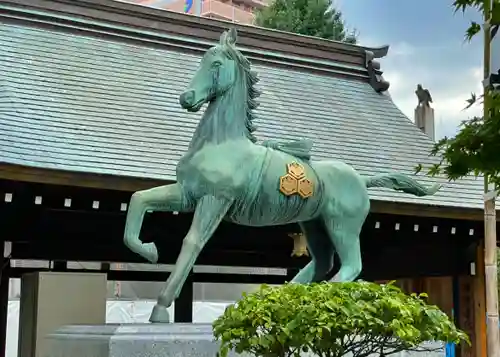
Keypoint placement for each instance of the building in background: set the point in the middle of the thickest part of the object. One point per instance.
(240, 11)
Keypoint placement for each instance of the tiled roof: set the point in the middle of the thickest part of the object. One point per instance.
(77, 103)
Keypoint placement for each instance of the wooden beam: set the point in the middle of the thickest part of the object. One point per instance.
(157, 276)
(390, 263)
(76, 179)
(67, 234)
(105, 226)
(419, 210)
(131, 184)
(80, 251)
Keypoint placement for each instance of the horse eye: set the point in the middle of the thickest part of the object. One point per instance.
(216, 64)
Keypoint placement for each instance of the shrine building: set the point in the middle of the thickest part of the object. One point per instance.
(89, 114)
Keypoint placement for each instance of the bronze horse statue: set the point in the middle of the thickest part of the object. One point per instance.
(226, 175)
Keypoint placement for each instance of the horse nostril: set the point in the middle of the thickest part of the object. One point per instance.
(187, 98)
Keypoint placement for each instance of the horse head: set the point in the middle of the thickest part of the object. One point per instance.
(224, 71)
(216, 74)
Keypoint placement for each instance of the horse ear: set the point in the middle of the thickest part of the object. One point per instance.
(232, 36)
(223, 38)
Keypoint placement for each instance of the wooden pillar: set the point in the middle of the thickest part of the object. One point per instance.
(4, 300)
(183, 306)
(480, 303)
(456, 299)
(466, 317)
(440, 292)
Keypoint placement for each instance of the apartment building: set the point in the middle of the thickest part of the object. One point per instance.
(240, 11)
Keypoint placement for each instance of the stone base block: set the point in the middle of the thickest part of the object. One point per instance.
(152, 340)
(133, 340)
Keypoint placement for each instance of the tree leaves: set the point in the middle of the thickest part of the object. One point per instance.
(332, 319)
(462, 5)
(474, 150)
(306, 17)
(472, 31)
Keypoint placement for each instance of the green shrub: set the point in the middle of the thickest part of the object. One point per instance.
(332, 319)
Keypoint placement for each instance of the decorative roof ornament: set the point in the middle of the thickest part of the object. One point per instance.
(376, 80)
(424, 96)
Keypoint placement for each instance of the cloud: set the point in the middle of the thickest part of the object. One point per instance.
(402, 49)
(438, 69)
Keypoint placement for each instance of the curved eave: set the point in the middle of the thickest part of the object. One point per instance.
(154, 27)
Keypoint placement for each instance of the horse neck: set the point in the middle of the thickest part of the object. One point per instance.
(224, 119)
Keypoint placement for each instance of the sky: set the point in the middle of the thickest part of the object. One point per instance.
(427, 46)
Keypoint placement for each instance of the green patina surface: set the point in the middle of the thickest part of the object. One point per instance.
(78, 103)
(226, 175)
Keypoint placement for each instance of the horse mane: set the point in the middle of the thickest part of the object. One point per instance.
(228, 40)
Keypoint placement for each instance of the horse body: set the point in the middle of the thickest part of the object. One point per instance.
(338, 189)
(248, 175)
(225, 175)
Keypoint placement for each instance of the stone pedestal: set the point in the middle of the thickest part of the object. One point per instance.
(50, 300)
(151, 340)
(133, 340)
(424, 120)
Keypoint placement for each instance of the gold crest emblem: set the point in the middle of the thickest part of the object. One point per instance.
(295, 181)
(296, 170)
(305, 188)
(288, 184)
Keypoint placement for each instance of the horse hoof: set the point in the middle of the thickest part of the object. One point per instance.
(149, 252)
(159, 314)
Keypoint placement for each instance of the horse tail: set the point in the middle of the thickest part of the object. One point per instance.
(400, 182)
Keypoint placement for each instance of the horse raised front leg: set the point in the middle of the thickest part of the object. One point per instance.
(163, 198)
(321, 249)
(208, 214)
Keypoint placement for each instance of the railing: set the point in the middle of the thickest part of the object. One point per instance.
(256, 3)
(226, 11)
